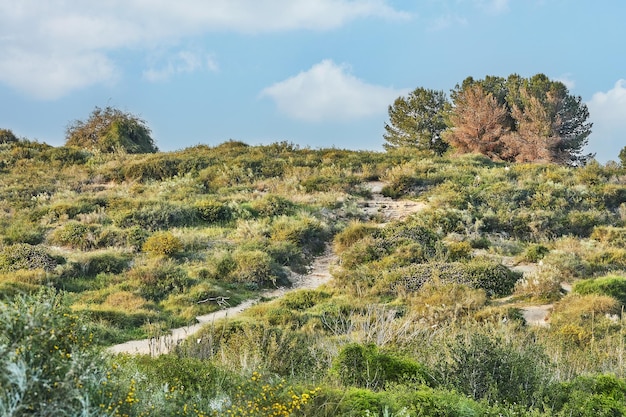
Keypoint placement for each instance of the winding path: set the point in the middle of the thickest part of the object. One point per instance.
(319, 274)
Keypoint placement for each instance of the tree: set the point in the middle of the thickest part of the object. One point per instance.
(542, 121)
(417, 121)
(477, 122)
(7, 136)
(111, 130)
(622, 157)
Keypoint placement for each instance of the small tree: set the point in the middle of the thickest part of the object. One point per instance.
(111, 130)
(417, 121)
(7, 136)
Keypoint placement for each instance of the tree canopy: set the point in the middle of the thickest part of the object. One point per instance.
(417, 121)
(511, 119)
(111, 130)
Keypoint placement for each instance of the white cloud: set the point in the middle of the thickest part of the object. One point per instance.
(607, 110)
(567, 80)
(183, 62)
(74, 38)
(328, 91)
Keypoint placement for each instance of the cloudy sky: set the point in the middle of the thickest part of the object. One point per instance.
(318, 73)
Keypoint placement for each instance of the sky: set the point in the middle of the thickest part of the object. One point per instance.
(317, 73)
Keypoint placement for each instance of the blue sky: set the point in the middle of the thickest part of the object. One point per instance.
(318, 73)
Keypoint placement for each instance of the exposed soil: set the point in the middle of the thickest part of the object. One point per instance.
(319, 274)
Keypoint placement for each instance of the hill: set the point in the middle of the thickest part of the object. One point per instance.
(435, 261)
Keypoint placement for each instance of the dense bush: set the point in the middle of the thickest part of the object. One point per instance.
(163, 244)
(47, 367)
(214, 211)
(496, 279)
(611, 285)
(366, 366)
(157, 216)
(75, 235)
(159, 279)
(25, 256)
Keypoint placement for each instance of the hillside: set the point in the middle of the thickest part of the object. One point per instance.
(365, 283)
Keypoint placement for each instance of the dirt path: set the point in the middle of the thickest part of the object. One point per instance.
(318, 275)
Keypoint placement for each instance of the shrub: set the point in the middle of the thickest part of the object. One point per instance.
(159, 279)
(24, 231)
(613, 236)
(534, 253)
(163, 244)
(256, 267)
(305, 231)
(111, 130)
(303, 299)
(366, 366)
(74, 235)
(104, 262)
(47, 366)
(488, 368)
(437, 303)
(25, 256)
(496, 279)
(458, 251)
(611, 285)
(273, 205)
(598, 395)
(157, 216)
(351, 234)
(7, 136)
(214, 211)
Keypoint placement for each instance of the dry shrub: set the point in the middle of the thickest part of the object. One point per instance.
(437, 303)
(125, 300)
(542, 285)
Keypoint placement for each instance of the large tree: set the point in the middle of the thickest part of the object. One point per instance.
(111, 130)
(417, 121)
(477, 122)
(543, 121)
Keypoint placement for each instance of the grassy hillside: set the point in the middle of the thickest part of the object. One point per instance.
(424, 316)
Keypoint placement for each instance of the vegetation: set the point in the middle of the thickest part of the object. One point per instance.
(425, 314)
(111, 130)
(510, 119)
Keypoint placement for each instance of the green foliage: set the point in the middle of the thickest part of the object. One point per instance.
(534, 253)
(163, 244)
(611, 285)
(7, 136)
(610, 235)
(25, 256)
(46, 365)
(159, 279)
(23, 231)
(366, 366)
(496, 279)
(255, 267)
(111, 130)
(600, 395)
(303, 299)
(212, 211)
(75, 235)
(492, 369)
(157, 216)
(273, 205)
(417, 121)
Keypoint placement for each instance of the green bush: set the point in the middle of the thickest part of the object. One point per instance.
(157, 216)
(366, 366)
(496, 279)
(535, 252)
(25, 256)
(273, 205)
(586, 396)
(7, 136)
(351, 234)
(163, 244)
(255, 267)
(24, 231)
(74, 235)
(305, 231)
(303, 299)
(214, 211)
(47, 365)
(611, 285)
(105, 262)
(159, 279)
(489, 368)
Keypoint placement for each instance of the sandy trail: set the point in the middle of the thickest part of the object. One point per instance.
(319, 274)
